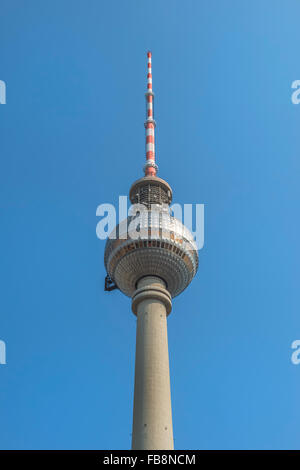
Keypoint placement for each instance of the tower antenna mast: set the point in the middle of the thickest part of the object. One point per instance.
(150, 167)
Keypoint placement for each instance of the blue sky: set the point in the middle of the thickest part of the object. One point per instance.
(72, 137)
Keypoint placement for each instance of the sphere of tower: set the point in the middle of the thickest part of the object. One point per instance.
(162, 246)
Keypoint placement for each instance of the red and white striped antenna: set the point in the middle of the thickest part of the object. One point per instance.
(150, 167)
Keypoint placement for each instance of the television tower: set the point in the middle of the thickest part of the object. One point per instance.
(151, 261)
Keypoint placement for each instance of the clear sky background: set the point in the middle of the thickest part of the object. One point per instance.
(72, 137)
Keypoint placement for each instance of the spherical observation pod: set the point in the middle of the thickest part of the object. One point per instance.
(162, 246)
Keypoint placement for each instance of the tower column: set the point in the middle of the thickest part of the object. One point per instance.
(152, 414)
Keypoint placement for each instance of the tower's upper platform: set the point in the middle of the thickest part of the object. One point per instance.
(150, 190)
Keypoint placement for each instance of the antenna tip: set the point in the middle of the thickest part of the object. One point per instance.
(149, 54)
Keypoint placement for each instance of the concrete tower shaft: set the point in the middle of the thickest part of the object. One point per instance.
(152, 414)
